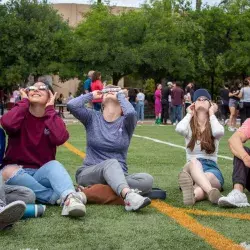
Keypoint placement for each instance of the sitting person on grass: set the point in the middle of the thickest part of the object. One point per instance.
(108, 138)
(34, 131)
(241, 170)
(201, 178)
(12, 203)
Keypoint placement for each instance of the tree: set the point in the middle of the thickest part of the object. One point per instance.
(109, 43)
(34, 40)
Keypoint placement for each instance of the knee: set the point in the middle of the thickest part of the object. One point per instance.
(53, 165)
(194, 163)
(113, 163)
(9, 171)
(28, 196)
(146, 182)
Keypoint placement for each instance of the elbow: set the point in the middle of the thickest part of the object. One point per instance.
(179, 129)
(62, 139)
(69, 105)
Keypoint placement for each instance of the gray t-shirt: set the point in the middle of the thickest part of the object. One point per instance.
(105, 140)
(245, 94)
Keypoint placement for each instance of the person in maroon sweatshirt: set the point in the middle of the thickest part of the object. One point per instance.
(34, 131)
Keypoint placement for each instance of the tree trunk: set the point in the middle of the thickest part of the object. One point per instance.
(198, 4)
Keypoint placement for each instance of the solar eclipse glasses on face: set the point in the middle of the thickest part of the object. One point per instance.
(33, 88)
(107, 90)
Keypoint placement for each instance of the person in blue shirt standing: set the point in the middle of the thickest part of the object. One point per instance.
(87, 83)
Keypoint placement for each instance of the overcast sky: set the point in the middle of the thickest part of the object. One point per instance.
(130, 3)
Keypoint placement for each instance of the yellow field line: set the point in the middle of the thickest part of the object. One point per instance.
(213, 238)
(221, 214)
(73, 149)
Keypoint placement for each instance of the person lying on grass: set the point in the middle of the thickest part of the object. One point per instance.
(201, 178)
(108, 138)
(241, 170)
(34, 131)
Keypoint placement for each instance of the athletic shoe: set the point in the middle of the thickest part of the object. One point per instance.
(187, 186)
(234, 199)
(11, 213)
(231, 129)
(73, 206)
(134, 201)
(214, 195)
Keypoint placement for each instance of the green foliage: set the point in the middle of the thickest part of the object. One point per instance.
(149, 86)
(166, 39)
(33, 40)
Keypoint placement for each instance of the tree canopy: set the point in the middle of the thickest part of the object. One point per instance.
(166, 39)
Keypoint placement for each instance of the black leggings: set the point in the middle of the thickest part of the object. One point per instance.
(245, 112)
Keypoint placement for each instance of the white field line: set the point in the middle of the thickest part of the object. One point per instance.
(175, 145)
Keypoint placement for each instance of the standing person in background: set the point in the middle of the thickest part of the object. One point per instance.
(96, 85)
(177, 97)
(187, 98)
(245, 99)
(132, 97)
(165, 104)
(87, 83)
(233, 105)
(61, 109)
(170, 109)
(140, 98)
(158, 108)
(224, 96)
(190, 87)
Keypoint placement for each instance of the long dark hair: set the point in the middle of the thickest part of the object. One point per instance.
(96, 76)
(207, 141)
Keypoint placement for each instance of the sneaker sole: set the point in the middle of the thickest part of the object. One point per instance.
(77, 211)
(11, 214)
(224, 203)
(214, 195)
(145, 203)
(186, 184)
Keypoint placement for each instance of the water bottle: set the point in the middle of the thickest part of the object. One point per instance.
(33, 211)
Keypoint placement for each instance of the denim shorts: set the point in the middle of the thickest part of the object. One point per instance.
(233, 103)
(210, 166)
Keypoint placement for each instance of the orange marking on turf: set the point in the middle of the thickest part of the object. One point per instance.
(73, 149)
(209, 213)
(212, 237)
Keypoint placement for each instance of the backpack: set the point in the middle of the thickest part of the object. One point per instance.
(2, 145)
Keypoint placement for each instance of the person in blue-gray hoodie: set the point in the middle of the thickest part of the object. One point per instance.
(108, 139)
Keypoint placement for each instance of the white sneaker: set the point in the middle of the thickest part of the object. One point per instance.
(231, 129)
(73, 206)
(11, 213)
(234, 199)
(134, 201)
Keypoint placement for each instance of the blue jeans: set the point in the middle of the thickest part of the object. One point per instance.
(49, 183)
(177, 113)
(140, 110)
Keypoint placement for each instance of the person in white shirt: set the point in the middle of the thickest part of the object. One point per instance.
(140, 99)
(201, 177)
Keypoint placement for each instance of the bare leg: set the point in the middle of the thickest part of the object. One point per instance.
(194, 168)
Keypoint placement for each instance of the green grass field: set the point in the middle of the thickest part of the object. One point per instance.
(110, 227)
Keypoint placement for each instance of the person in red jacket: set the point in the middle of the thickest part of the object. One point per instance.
(34, 131)
(96, 85)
